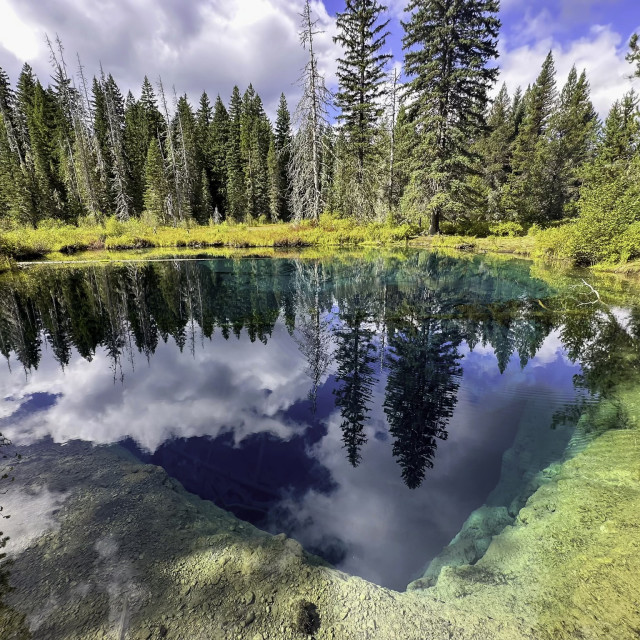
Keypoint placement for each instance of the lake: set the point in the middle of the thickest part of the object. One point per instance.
(372, 407)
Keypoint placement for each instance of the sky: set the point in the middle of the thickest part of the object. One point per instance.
(213, 44)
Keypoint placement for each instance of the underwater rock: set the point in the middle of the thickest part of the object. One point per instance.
(469, 545)
(173, 564)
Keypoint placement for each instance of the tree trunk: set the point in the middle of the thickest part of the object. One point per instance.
(434, 226)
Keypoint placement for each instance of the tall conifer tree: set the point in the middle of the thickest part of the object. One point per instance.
(448, 45)
(219, 143)
(361, 75)
(235, 164)
(524, 199)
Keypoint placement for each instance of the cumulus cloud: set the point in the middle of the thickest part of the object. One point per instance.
(198, 45)
(227, 385)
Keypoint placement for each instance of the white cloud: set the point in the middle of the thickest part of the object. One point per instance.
(601, 53)
(200, 45)
(183, 398)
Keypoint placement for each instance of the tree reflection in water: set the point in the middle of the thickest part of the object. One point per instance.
(410, 312)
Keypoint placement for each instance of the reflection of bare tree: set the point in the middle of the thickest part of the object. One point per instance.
(313, 336)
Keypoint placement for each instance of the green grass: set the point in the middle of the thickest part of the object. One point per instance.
(21, 244)
(127, 240)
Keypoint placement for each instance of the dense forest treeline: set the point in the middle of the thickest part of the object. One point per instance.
(403, 319)
(434, 151)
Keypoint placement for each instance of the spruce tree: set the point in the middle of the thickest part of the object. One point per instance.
(204, 115)
(254, 144)
(189, 167)
(218, 147)
(305, 165)
(154, 122)
(282, 151)
(495, 150)
(573, 128)
(274, 180)
(355, 354)
(156, 186)
(361, 75)
(135, 142)
(421, 391)
(524, 194)
(448, 45)
(235, 166)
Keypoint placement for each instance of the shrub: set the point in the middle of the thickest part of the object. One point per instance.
(507, 229)
(113, 227)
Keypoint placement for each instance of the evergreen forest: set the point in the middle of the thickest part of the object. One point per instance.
(435, 146)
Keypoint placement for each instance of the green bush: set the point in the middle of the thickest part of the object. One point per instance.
(113, 227)
(507, 229)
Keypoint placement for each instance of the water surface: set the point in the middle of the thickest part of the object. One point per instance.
(362, 406)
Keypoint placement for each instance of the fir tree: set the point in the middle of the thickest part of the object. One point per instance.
(524, 193)
(235, 166)
(361, 75)
(448, 45)
(218, 148)
(156, 185)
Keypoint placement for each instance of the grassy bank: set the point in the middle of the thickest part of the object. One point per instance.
(23, 244)
(118, 240)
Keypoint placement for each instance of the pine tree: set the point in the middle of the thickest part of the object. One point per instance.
(282, 151)
(235, 166)
(361, 75)
(448, 45)
(524, 193)
(495, 150)
(218, 147)
(634, 54)
(156, 186)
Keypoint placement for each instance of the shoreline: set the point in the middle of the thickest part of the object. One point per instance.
(297, 244)
(125, 546)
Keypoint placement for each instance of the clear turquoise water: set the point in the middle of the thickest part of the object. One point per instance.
(362, 406)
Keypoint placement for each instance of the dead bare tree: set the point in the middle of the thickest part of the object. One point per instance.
(310, 115)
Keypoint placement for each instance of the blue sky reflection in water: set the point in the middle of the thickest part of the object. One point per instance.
(233, 420)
